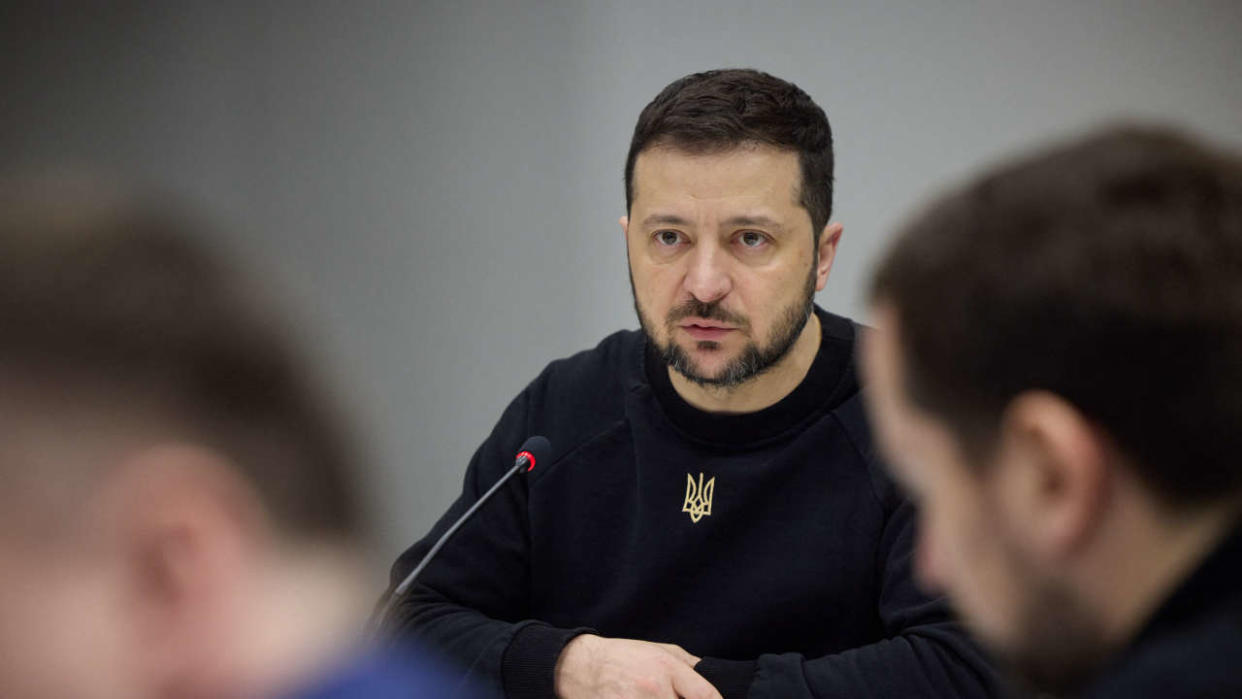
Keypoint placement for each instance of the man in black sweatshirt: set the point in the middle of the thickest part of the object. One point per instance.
(1072, 434)
(712, 521)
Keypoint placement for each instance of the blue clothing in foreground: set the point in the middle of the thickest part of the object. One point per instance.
(392, 673)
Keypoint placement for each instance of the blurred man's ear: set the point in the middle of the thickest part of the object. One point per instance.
(1053, 475)
(192, 533)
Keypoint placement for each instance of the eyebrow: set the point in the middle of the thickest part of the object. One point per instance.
(735, 221)
(756, 221)
(665, 220)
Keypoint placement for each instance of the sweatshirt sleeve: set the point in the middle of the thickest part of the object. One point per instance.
(470, 604)
(925, 652)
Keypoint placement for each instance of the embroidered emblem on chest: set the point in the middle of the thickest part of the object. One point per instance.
(698, 497)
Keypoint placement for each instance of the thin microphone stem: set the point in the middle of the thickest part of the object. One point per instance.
(400, 590)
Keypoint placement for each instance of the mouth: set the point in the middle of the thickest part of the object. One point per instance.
(706, 330)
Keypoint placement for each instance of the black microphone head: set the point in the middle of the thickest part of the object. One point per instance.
(536, 449)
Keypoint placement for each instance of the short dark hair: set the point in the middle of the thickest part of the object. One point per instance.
(1107, 271)
(123, 298)
(722, 109)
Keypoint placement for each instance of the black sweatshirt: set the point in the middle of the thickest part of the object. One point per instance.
(1191, 647)
(797, 583)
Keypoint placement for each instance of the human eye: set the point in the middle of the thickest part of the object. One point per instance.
(667, 238)
(752, 239)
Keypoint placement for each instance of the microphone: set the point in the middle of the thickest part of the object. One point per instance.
(532, 451)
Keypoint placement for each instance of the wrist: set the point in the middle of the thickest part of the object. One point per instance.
(575, 655)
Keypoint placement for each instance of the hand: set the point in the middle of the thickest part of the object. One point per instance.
(619, 668)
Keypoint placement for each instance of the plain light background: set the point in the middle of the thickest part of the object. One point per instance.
(433, 187)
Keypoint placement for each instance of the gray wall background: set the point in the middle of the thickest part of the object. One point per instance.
(433, 187)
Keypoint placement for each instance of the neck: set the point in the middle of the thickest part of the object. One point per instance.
(762, 391)
(1153, 551)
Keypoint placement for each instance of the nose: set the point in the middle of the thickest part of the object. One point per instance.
(708, 278)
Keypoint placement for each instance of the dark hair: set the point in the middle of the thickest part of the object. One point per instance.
(1107, 271)
(721, 109)
(125, 299)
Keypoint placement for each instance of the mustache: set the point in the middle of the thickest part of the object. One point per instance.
(707, 311)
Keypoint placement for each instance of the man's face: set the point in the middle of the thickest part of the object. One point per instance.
(66, 619)
(71, 605)
(969, 545)
(722, 258)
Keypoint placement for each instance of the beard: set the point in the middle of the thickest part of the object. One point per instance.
(753, 360)
(1058, 641)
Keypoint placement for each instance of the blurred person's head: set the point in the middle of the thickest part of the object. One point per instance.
(728, 187)
(177, 510)
(1057, 381)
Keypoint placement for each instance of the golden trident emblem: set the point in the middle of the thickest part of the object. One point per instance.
(698, 497)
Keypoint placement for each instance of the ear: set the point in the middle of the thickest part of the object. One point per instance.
(1053, 476)
(625, 227)
(192, 529)
(827, 251)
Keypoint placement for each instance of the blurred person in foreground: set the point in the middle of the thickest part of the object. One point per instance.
(178, 514)
(1058, 383)
(712, 521)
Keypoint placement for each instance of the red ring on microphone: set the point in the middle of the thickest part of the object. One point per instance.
(529, 457)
